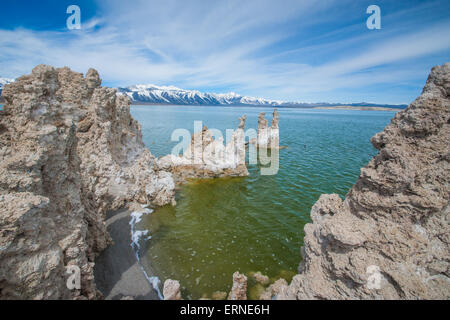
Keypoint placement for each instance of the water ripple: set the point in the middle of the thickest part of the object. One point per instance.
(253, 223)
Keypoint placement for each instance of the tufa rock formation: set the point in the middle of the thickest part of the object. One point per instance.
(268, 137)
(274, 290)
(171, 290)
(239, 288)
(69, 150)
(260, 278)
(207, 157)
(389, 238)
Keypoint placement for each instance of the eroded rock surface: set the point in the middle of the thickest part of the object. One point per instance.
(268, 137)
(260, 278)
(389, 238)
(239, 288)
(274, 290)
(171, 290)
(69, 150)
(207, 157)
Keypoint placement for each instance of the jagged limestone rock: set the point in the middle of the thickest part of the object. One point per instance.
(239, 288)
(389, 238)
(207, 157)
(219, 295)
(171, 290)
(69, 150)
(268, 137)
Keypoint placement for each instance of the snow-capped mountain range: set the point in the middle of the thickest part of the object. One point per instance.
(149, 93)
(152, 94)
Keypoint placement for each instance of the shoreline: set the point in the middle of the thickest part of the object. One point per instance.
(117, 272)
(359, 108)
(364, 108)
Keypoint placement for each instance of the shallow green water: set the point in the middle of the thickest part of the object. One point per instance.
(254, 223)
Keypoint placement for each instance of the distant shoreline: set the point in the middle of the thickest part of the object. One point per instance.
(364, 108)
(359, 108)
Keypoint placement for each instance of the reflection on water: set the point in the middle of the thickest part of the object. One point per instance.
(253, 223)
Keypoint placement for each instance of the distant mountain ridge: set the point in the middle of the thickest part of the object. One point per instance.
(149, 93)
(171, 95)
(152, 94)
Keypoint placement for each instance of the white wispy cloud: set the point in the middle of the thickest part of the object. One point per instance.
(260, 48)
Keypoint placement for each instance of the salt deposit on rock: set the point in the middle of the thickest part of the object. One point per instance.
(69, 150)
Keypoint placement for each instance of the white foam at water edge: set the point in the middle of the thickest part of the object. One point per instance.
(154, 281)
(136, 235)
(136, 217)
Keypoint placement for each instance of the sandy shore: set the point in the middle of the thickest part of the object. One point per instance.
(117, 272)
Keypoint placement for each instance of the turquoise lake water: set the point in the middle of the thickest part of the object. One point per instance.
(254, 223)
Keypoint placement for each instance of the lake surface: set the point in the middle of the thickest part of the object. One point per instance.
(253, 223)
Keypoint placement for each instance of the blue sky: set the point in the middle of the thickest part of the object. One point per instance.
(310, 51)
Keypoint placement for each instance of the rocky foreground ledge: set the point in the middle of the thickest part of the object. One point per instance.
(69, 151)
(389, 238)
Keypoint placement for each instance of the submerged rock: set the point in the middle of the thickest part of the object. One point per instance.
(171, 290)
(219, 295)
(389, 238)
(69, 150)
(260, 278)
(207, 157)
(239, 289)
(274, 290)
